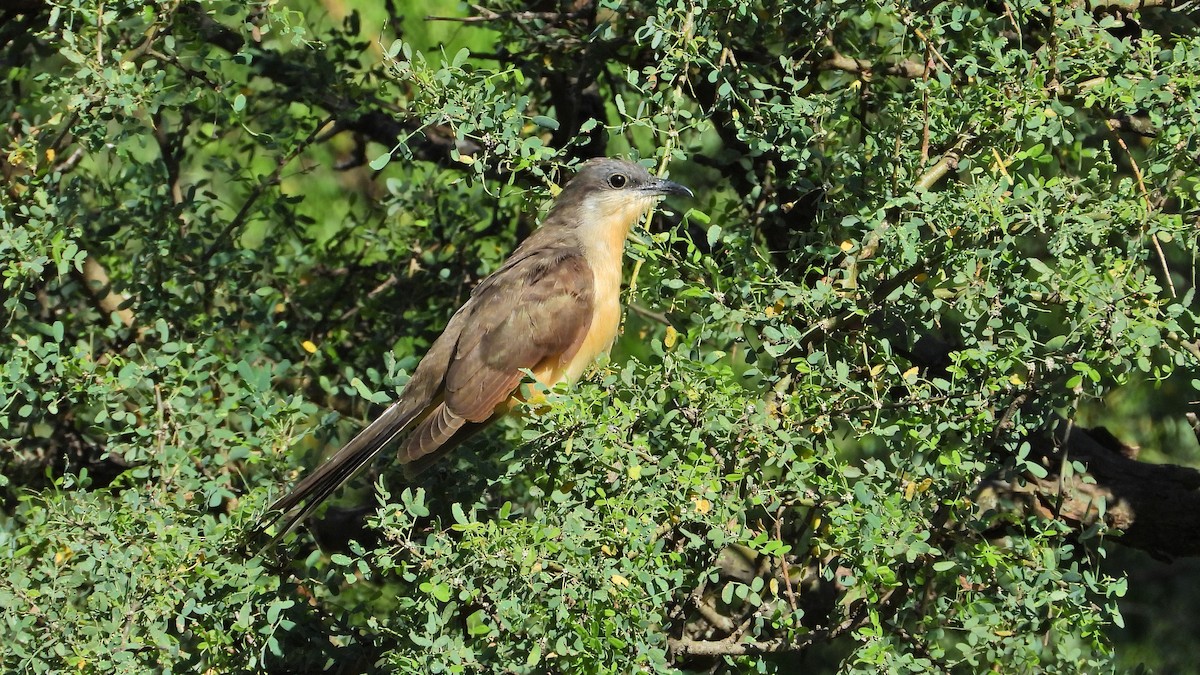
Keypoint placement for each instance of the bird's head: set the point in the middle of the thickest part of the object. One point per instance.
(615, 190)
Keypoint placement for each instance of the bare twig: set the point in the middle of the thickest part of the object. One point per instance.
(383, 286)
(485, 15)
(734, 646)
(910, 68)
(925, 108)
(783, 563)
(72, 161)
(1137, 174)
(647, 313)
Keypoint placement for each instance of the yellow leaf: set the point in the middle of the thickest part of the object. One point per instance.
(635, 471)
(911, 373)
(607, 550)
(671, 337)
(702, 505)
(309, 346)
(876, 369)
(619, 580)
(846, 246)
(49, 154)
(1016, 379)
(535, 399)
(909, 491)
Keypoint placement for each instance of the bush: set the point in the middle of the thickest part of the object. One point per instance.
(852, 421)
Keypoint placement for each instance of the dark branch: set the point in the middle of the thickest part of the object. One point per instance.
(362, 114)
(1151, 507)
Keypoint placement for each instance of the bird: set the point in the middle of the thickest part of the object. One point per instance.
(550, 309)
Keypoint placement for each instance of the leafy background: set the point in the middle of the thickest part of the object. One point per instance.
(924, 237)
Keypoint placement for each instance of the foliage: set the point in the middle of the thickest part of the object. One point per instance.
(228, 232)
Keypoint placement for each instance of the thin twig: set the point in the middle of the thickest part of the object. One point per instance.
(783, 563)
(733, 646)
(261, 188)
(68, 164)
(386, 284)
(486, 15)
(1137, 174)
(648, 313)
(925, 108)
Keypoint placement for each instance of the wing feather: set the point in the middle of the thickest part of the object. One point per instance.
(537, 311)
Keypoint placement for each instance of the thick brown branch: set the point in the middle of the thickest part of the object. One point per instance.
(909, 68)
(1151, 507)
(97, 283)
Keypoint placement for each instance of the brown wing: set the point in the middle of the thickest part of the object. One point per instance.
(538, 306)
(533, 313)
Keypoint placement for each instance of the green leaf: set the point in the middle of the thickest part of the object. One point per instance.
(714, 234)
(456, 511)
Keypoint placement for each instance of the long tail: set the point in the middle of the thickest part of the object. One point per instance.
(319, 485)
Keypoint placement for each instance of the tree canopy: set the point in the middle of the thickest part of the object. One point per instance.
(916, 361)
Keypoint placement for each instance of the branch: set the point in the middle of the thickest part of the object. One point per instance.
(96, 281)
(1154, 507)
(486, 15)
(735, 646)
(909, 68)
(361, 114)
(260, 188)
(1128, 5)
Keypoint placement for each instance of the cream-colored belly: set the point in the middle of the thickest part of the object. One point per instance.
(605, 261)
(603, 248)
(606, 318)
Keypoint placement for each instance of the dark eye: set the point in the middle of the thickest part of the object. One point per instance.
(617, 180)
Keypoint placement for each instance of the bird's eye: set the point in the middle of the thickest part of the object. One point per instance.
(617, 180)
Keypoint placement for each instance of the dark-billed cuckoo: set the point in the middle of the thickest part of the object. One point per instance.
(551, 309)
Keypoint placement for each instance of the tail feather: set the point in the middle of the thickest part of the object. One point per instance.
(432, 433)
(287, 512)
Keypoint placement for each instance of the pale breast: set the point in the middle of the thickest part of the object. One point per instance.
(606, 318)
(602, 242)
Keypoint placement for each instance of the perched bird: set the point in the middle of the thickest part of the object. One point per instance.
(551, 308)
